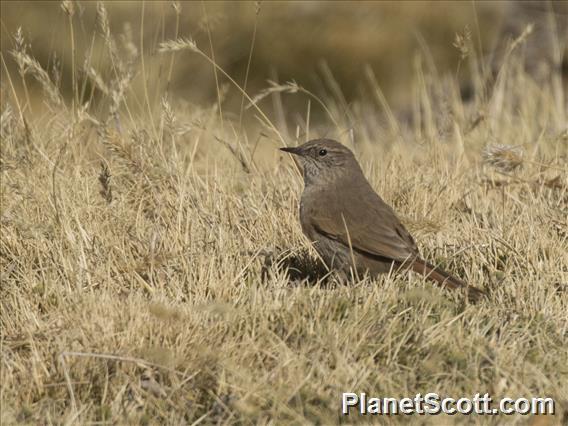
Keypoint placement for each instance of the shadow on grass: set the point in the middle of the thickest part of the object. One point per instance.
(300, 267)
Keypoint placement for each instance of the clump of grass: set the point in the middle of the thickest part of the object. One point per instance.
(503, 157)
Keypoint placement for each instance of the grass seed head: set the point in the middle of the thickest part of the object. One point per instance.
(504, 158)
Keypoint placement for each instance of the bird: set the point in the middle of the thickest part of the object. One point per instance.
(350, 226)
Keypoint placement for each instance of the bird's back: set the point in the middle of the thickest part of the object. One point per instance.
(349, 211)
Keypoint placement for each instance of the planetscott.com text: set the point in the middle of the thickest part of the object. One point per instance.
(432, 403)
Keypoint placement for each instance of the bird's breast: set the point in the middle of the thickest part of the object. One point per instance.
(306, 213)
(315, 203)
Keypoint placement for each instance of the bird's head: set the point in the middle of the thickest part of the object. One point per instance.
(324, 160)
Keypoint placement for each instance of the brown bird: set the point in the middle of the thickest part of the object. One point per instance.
(349, 223)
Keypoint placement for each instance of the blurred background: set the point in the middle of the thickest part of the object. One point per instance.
(317, 44)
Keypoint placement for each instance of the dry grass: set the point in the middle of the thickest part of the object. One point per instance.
(141, 255)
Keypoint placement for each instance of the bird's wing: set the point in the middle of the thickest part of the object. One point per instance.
(363, 221)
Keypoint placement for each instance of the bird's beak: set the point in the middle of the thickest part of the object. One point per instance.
(292, 150)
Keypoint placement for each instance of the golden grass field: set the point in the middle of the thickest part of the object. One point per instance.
(145, 244)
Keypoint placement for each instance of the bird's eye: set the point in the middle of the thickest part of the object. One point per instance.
(322, 152)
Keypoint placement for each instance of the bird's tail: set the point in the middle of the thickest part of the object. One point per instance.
(445, 279)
